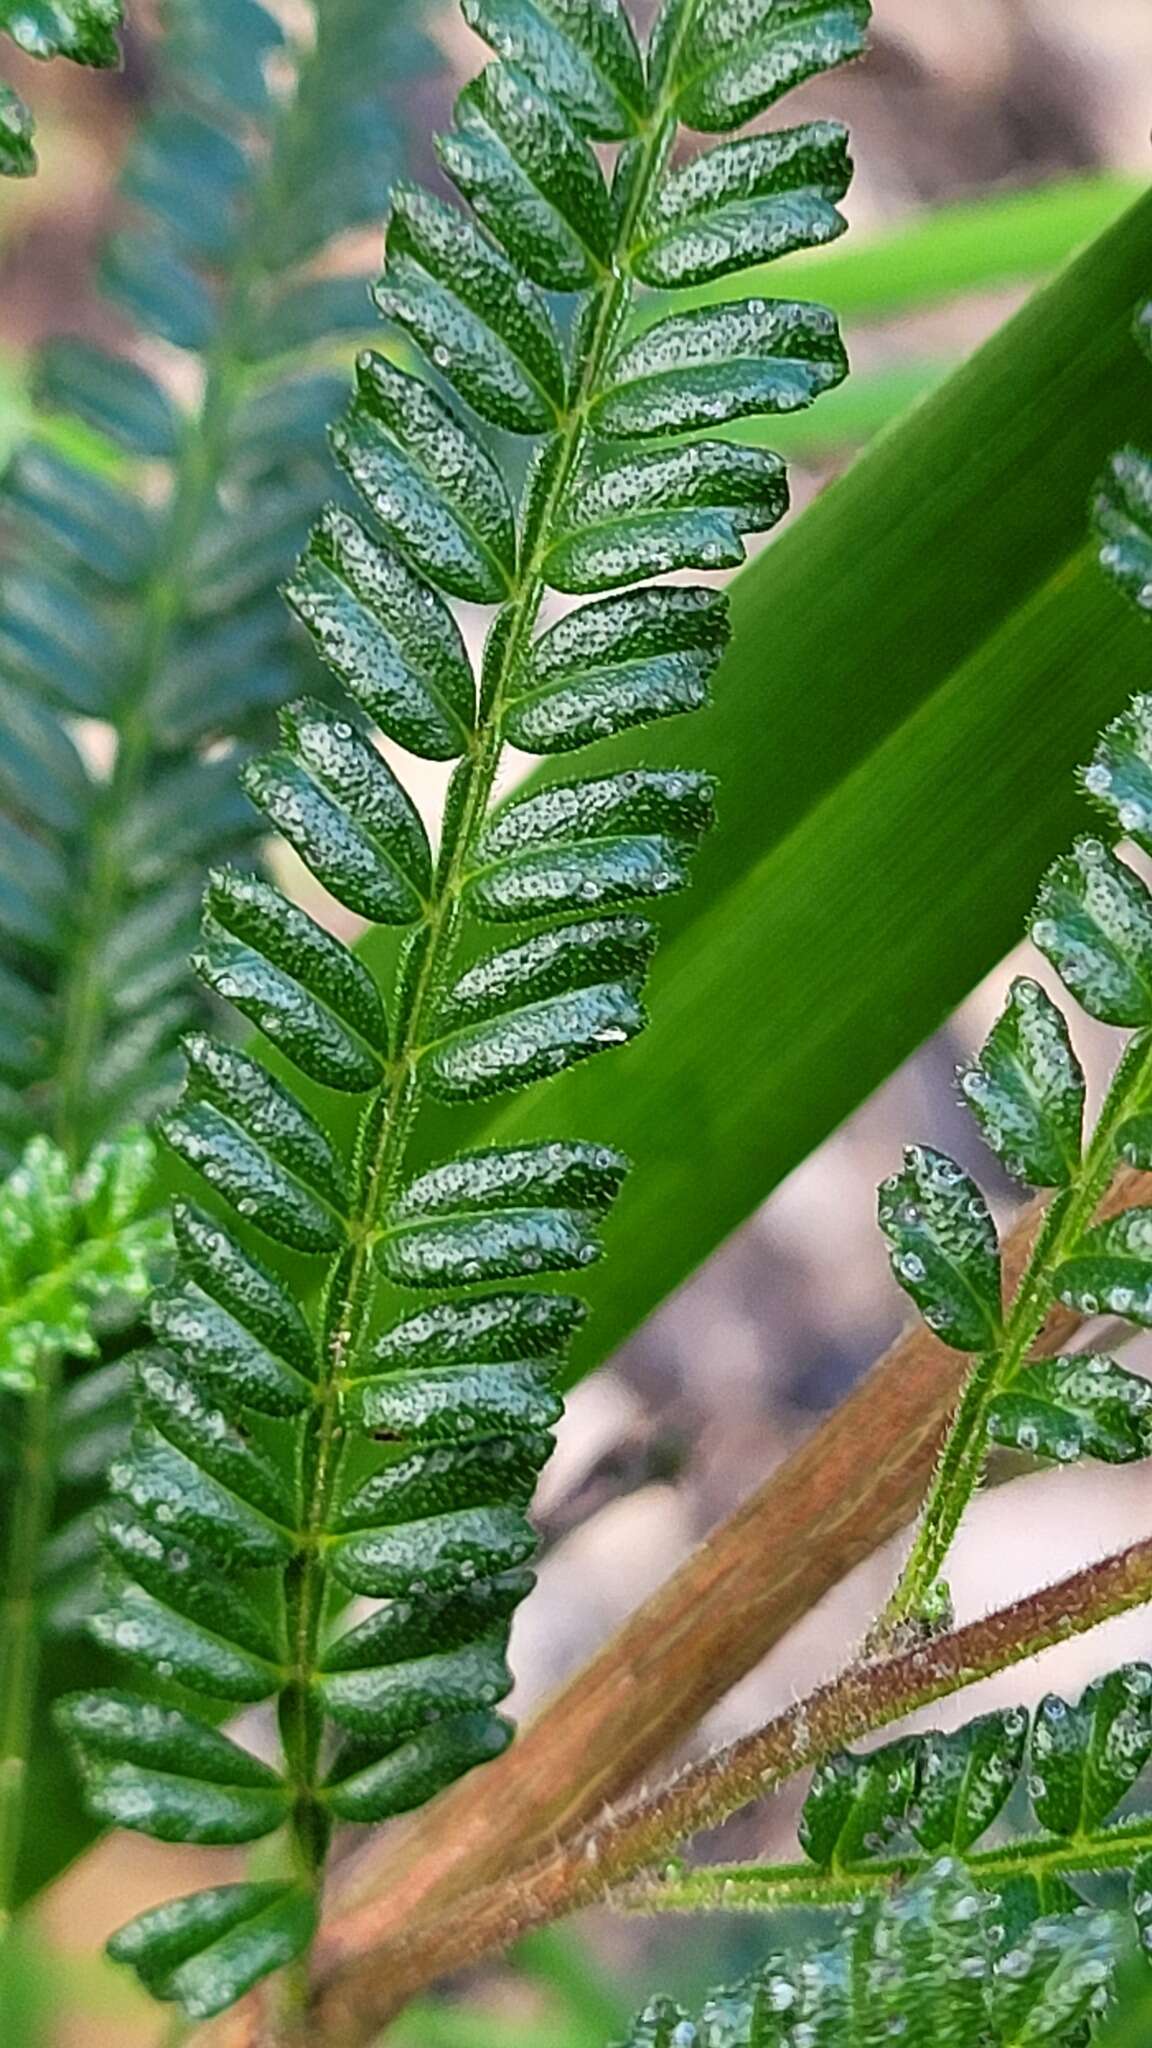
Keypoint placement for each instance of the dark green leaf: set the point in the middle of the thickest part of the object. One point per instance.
(719, 363)
(410, 1776)
(1124, 522)
(480, 321)
(591, 845)
(203, 1952)
(625, 661)
(157, 1770)
(1085, 1758)
(336, 800)
(965, 1778)
(531, 177)
(581, 53)
(1027, 1089)
(734, 60)
(1093, 921)
(1110, 1271)
(253, 1143)
(428, 481)
(502, 1214)
(388, 636)
(303, 988)
(746, 202)
(1080, 1407)
(944, 1250)
(856, 1804)
(629, 516)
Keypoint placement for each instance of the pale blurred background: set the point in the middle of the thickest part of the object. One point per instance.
(958, 103)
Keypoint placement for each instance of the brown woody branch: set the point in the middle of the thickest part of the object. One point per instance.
(856, 1482)
(359, 1992)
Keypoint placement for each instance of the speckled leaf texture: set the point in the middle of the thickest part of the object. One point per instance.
(386, 1443)
(925, 1967)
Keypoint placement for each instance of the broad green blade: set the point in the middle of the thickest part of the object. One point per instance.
(917, 665)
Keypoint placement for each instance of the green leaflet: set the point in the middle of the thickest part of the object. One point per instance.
(944, 1248)
(367, 1445)
(1026, 1091)
(743, 203)
(69, 1244)
(204, 1952)
(1092, 921)
(703, 369)
(944, 1791)
(643, 514)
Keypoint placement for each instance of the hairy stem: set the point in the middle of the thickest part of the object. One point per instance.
(962, 1461)
(735, 1888)
(389, 1118)
(359, 1988)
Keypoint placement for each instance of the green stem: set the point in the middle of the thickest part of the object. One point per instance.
(388, 1120)
(962, 1460)
(30, 1515)
(768, 1887)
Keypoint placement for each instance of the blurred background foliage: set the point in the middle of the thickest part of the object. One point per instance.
(992, 138)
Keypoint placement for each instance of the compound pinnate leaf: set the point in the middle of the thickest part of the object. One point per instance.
(705, 368)
(1110, 1271)
(582, 56)
(736, 60)
(427, 480)
(923, 1965)
(157, 1770)
(1026, 1090)
(1080, 1407)
(944, 1250)
(625, 661)
(387, 636)
(471, 311)
(746, 202)
(646, 513)
(1093, 921)
(1085, 1758)
(530, 175)
(204, 1951)
(334, 798)
(245, 1459)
